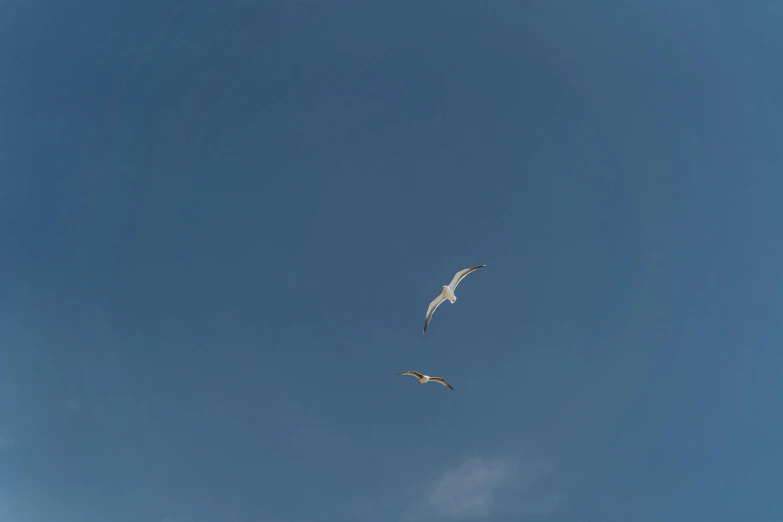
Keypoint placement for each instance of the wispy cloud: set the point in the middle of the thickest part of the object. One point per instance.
(470, 489)
(477, 488)
(513, 484)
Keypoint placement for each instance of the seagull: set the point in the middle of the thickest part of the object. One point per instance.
(447, 294)
(426, 378)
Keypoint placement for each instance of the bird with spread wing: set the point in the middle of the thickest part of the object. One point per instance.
(426, 378)
(447, 294)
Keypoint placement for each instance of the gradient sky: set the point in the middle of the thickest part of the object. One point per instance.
(221, 224)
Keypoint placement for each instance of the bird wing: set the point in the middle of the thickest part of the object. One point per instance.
(459, 276)
(431, 309)
(411, 372)
(442, 381)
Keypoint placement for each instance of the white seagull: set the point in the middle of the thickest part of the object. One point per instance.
(426, 378)
(447, 294)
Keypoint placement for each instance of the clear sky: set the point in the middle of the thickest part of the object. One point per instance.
(221, 224)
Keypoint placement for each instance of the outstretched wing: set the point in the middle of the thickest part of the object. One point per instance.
(442, 381)
(459, 276)
(411, 372)
(431, 309)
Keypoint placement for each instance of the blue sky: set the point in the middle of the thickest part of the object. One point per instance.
(221, 225)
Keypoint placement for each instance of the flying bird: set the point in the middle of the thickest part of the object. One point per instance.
(447, 294)
(426, 378)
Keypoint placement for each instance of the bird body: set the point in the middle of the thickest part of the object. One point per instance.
(447, 294)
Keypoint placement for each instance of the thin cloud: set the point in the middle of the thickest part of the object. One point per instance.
(517, 484)
(478, 488)
(471, 489)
